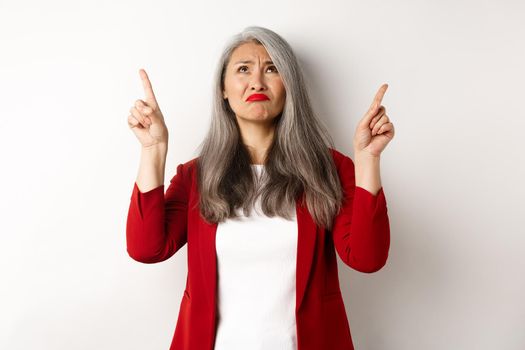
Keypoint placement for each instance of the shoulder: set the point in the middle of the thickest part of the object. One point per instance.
(188, 168)
(341, 159)
(190, 164)
(184, 171)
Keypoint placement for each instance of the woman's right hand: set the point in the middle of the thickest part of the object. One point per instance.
(146, 119)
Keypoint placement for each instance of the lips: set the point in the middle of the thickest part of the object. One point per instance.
(257, 97)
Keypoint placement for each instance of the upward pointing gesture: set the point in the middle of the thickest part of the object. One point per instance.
(148, 90)
(146, 119)
(374, 130)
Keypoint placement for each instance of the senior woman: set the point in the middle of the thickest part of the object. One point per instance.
(263, 208)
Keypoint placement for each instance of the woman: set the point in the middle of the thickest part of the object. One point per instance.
(264, 278)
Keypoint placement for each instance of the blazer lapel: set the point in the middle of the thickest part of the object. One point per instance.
(208, 256)
(306, 242)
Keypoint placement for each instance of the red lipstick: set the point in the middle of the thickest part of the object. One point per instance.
(257, 97)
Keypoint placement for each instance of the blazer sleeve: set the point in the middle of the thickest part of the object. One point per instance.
(361, 230)
(157, 222)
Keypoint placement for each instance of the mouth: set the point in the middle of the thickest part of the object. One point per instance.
(257, 97)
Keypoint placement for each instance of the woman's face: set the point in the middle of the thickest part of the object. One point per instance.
(250, 71)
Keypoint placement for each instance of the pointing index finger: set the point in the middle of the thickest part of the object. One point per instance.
(379, 97)
(148, 90)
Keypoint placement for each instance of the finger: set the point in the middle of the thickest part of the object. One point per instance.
(136, 113)
(380, 122)
(148, 89)
(377, 99)
(140, 104)
(143, 108)
(132, 121)
(374, 120)
(385, 127)
(139, 117)
(374, 108)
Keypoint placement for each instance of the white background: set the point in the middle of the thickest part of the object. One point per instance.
(452, 176)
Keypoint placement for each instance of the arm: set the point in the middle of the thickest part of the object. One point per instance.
(152, 167)
(367, 173)
(157, 223)
(361, 230)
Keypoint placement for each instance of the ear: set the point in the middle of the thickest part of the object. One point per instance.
(224, 96)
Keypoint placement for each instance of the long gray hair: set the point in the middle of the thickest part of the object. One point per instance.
(298, 162)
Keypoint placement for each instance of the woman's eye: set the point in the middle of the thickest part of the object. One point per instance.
(271, 67)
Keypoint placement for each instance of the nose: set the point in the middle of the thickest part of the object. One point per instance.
(257, 82)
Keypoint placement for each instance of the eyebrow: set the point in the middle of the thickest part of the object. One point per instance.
(249, 61)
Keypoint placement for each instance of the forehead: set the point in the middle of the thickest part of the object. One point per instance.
(249, 52)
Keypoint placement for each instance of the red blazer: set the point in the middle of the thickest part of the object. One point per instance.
(159, 224)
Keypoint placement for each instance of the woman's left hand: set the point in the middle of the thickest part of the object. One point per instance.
(375, 130)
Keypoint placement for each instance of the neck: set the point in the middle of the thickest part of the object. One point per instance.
(257, 138)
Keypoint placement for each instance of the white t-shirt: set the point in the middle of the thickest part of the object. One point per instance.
(256, 264)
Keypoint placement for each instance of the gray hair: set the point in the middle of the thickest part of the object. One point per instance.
(298, 162)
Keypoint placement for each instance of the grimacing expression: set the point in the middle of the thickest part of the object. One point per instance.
(250, 70)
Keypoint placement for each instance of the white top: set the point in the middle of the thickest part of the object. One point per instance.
(256, 264)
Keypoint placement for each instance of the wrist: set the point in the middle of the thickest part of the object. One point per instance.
(156, 148)
(367, 172)
(155, 154)
(363, 156)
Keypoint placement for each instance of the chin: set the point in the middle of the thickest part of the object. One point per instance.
(260, 118)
